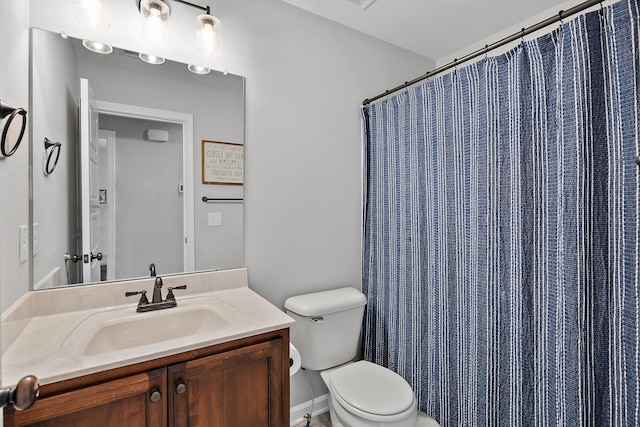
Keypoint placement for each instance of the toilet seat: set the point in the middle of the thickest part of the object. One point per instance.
(372, 391)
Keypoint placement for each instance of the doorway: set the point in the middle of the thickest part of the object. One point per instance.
(141, 197)
(146, 191)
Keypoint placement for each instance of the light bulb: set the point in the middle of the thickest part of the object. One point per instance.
(155, 10)
(208, 26)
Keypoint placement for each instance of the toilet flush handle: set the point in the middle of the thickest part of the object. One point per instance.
(317, 319)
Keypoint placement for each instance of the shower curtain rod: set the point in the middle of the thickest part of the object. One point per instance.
(488, 48)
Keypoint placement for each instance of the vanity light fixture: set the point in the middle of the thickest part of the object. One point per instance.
(94, 13)
(155, 25)
(199, 69)
(151, 59)
(13, 129)
(154, 19)
(97, 47)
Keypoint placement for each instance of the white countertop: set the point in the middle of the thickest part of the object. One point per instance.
(49, 333)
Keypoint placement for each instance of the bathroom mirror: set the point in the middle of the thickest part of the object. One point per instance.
(138, 198)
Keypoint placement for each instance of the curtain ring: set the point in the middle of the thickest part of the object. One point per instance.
(486, 52)
(522, 43)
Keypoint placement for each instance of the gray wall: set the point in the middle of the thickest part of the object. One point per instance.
(14, 171)
(148, 204)
(54, 115)
(306, 78)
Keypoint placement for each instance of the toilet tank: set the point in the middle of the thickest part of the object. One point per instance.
(327, 327)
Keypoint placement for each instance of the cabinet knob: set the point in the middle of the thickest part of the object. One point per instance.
(156, 396)
(181, 387)
(23, 396)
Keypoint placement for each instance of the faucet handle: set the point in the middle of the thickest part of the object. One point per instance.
(143, 297)
(170, 296)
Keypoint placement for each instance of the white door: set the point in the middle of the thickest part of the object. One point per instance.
(89, 192)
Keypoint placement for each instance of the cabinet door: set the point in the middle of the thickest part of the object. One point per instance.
(132, 401)
(243, 387)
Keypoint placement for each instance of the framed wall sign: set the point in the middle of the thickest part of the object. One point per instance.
(222, 163)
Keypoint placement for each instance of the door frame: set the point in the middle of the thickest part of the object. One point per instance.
(89, 207)
(109, 138)
(186, 120)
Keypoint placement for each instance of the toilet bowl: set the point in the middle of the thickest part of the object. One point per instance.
(363, 394)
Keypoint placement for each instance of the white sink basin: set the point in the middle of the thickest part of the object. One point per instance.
(140, 331)
(124, 329)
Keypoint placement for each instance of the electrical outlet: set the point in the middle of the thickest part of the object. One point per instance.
(215, 219)
(23, 244)
(36, 241)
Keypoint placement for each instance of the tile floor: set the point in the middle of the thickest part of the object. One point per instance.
(321, 420)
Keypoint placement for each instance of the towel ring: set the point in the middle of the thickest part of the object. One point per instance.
(51, 157)
(13, 129)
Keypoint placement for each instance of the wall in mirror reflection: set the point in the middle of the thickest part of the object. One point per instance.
(216, 102)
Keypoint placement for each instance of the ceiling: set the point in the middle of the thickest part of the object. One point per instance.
(435, 28)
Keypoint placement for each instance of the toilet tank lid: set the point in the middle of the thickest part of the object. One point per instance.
(325, 302)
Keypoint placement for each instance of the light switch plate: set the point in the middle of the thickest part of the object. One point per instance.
(215, 219)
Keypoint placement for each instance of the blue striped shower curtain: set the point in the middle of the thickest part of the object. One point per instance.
(501, 255)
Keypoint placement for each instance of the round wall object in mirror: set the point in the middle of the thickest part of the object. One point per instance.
(13, 129)
(151, 59)
(198, 69)
(51, 156)
(97, 47)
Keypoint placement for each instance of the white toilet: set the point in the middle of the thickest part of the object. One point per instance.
(362, 394)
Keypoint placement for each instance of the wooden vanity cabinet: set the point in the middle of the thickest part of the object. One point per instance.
(242, 382)
(122, 402)
(236, 388)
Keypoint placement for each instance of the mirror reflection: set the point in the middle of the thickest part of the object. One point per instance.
(127, 191)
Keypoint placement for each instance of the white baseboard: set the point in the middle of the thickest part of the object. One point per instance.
(320, 406)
